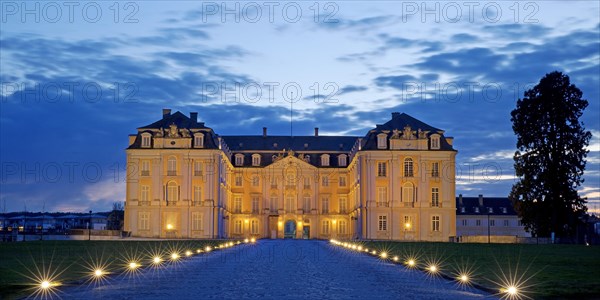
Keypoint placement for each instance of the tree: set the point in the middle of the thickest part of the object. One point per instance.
(550, 156)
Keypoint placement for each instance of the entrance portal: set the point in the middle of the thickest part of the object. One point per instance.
(306, 232)
(289, 229)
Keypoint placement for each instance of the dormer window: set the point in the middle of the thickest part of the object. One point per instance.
(382, 141)
(490, 210)
(504, 210)
(342, 160)
(256, 160)
(435, 141)
(462, 209)
(146, 140)
(325, 160)
(239, 159)
(476, 209)
(198, 140)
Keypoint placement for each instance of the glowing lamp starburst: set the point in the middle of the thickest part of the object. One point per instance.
(384, 255)
(45, 284)
(98, 273)
(411, 263)
(188, 253)
(463, 278)
(133, 265)
(252, 240)
(207, 249)
(512, 290)
(396, 258)
(174, 256)
(156, 260)
(432, 269)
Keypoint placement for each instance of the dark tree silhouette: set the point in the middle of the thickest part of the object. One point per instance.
(550, 156)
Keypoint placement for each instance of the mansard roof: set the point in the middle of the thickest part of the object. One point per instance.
(472, 206)
(179, 119)
(238, 143)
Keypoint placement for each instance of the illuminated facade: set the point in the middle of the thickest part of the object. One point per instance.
(185, 181)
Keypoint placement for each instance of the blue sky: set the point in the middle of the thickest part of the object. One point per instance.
(76, 80)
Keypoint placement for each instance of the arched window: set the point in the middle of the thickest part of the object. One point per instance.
(382, 141)
(239, 159)
(325, 160)
(255, 160)
(172, 193)
(146, 140)
(254, 227)
(198, 140)
(408, 167)
(172, 166)
(408, 193)
(342, 160)
(435, 141)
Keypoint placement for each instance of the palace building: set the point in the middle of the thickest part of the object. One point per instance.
(396, 182)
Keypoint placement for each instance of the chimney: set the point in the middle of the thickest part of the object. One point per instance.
(264, 131)
(316, 131)
(194, 117)
(166, 112)
(395, 115)
(480, 200)
(460, 199)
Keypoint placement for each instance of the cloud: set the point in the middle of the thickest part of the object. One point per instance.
(351, 89)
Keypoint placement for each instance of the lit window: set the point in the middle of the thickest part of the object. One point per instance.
(198, 140)
(289, 204)
(435, 223)
(196, 221)
(382, 169)
(342, 160)
(382, 223)
(306, 206)
(325, 181)
(408, 167)
(382, 196)
(273, 182)
(197, 168)
(145, 168)
(408, 223)
(172, 166)
(274, 205)
(307, 182)
(238, 179)
(146, 140)
(237, 227)
(172, 192)
(342, 180)
(435, 141)
(408, 192)
(145, 193)
(255, 180)
(382, 141)
(325, 160)
(325, 227)
(239, 159)
(197, 193)
(256, 160)
(435, 197)
(435, 169)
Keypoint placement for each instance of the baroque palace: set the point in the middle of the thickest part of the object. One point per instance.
(185, 181)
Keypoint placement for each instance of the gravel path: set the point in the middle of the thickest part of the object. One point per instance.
(290, 269)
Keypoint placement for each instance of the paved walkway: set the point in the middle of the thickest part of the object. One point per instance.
(290, 269)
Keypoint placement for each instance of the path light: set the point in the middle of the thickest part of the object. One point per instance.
(188, 253)
(512, 291)
(45, 284)
(396, 258)
(98, 273)
(432, 269)
(411, 263)
(374, 252)
(246, 240)
(156, 260)
(464, 278)
(198, 250)
(252, 240)
(207, 249)
(133, 265)
(384, 255)
(359, 248)
(174, 256)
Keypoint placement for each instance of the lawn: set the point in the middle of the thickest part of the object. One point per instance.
(541, 271)
(23, 263)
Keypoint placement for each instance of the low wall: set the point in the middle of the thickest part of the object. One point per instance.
(502, 239)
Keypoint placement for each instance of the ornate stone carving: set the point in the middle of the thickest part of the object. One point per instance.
(408, 133)
(160, 132)
(173, 132)
(184, 133)
(395, 134)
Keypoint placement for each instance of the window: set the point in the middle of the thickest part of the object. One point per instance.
(435, 169)
(381, 195)
(435, 141)
(342, 227)
(197, 168)
(144, 223)
(342, 181)
(382, 169)
(198, 140)
(462, 209)
(504, 210)
(492, 222)
(254, 227)
(325, 205)
(172, 192)
(408, 167)
(145, 168)
(342, 160)
(255, 203)
(274, 203)
(273, 182)
(255, 180)
(325, 227)
(477, 222)
(256, 160)
(464, 222)
(408, 223)
(197, 194)
(146, 140)
(382, 223)
(435, 223)
(172, 166)
(145, 196)
(382, 141)
(325, 160)
(306, 203)
(289, 204)
(435, 197)
(343, 204)
(307, 182)
(407, 192)
(238, 179)
(325, 181)
(196, 221)
(505, 223)
(477, 209)
(237, 204)
(490, 210)
(239, 159)
(237, 226)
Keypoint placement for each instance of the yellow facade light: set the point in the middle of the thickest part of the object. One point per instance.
(170, 227)
(246, 221)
